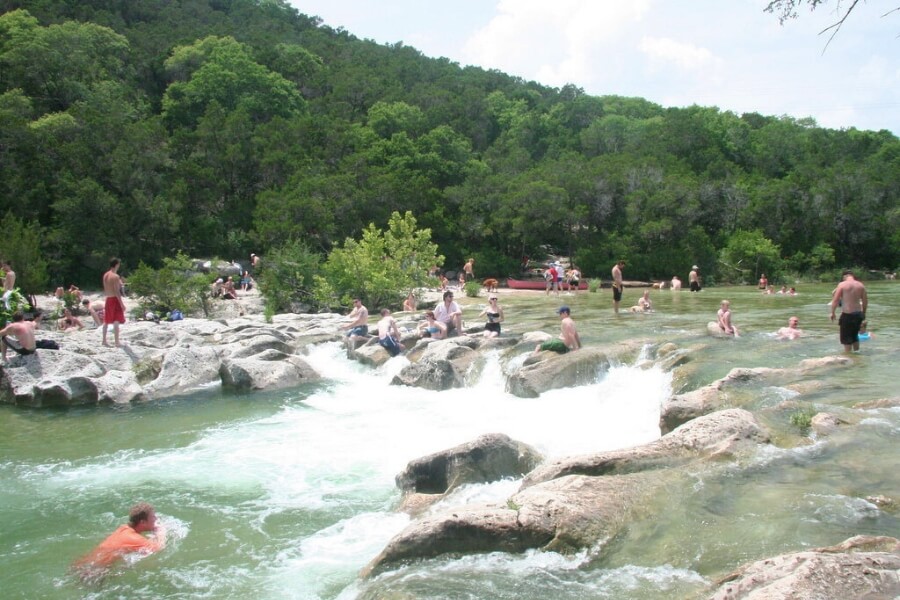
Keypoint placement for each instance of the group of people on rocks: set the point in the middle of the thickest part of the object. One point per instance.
(445, 320)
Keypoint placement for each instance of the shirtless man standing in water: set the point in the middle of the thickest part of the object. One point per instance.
(114, 309)
(851, 295)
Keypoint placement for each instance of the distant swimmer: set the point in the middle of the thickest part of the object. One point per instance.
(792, 331)
(127, 539)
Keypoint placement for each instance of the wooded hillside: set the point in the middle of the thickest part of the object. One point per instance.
(224, 127)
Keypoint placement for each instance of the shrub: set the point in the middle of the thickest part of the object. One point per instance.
(594, 284)
(174, 285)
(287, 276)
(380, 267)
(802, 419)
(472, 288)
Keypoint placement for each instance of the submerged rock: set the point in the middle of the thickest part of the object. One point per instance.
(681, 408)
(860, 567)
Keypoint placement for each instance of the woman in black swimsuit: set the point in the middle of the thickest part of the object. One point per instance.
(494, 313)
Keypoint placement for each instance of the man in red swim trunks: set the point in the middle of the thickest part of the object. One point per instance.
(124, 540)
(114, 309)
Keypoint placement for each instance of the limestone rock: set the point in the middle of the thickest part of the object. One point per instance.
(681, 408)
(860, 567)
(563, 515)
(269, 370)
(723, 433)
(184, 369)
(553, 371)
(489, 457)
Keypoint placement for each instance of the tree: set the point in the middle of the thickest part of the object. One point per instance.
(381, 267)
(288, 276)
(21, 246)
(174, 285)
(751, 251)
(788, 9)
(222, 70)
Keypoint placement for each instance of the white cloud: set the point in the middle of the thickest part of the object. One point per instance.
(557, 42)
(670, 52)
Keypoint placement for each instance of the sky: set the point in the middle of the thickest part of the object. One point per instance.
(725, 53)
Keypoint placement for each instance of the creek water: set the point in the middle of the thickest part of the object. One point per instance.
(289, 494)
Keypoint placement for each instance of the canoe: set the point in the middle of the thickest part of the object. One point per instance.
(538, 284)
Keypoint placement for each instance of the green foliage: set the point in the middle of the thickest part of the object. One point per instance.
(382, 266)
(802, 419)
(472, 288)
(140, 129)
(20, 244)
(15, 301)
(287, 276)
(174, 285)
(594, 284)
(753, 254)
(222, 70)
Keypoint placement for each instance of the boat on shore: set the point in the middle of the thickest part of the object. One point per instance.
(539, 284)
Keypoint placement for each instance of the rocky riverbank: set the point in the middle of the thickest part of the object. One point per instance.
(565, 505)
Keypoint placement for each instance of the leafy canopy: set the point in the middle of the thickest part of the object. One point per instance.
(383, 266)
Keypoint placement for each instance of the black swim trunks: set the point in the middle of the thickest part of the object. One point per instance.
(695, 286)
(617, 293)
(850, 324)
(17, 348)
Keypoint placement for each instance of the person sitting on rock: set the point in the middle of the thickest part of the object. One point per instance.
(95, 310)
(431, 327)
(69, 321)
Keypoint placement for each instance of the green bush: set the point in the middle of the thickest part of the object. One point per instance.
(382, 266)
(174, 285)
(802, 419)
(594, 284)
(16, 301)
(288, 275)
(472, 288)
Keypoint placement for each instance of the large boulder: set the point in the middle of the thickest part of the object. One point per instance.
(549, 371)
(860, 567)
(723, 433)
(440, 365)
(564, 515)
(269, 370)
(489, 457)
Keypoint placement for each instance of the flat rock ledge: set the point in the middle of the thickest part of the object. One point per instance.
(158, 360)
(860, 567)
(681, 408)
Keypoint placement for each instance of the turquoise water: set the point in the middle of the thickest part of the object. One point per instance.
(289, 494)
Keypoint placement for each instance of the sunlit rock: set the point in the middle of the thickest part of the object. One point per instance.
(268, 370)
(721, 433)
(681, 408)
(488, 458)
(860, 567)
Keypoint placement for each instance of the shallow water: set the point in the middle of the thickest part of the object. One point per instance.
(288, 494)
